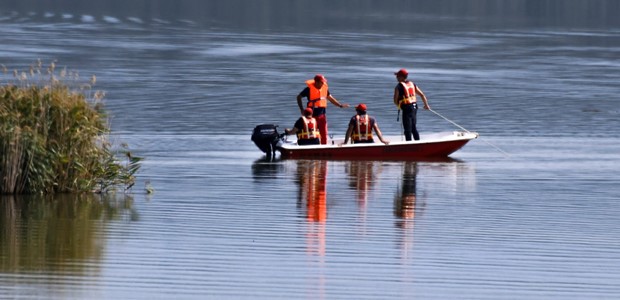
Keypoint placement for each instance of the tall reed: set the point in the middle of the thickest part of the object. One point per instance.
(54, 136)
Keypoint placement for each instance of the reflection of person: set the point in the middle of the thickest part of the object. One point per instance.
(405, 98)
(361, 127)
(405, 202)
(318, 93)
(362, 178)
(306, 129)
(312, 177)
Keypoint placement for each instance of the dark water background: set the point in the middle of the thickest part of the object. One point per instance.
(186, 81)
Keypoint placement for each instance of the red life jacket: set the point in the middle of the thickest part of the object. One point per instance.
(362, 130)
(317, 97)
(409, 97)
(310, 130)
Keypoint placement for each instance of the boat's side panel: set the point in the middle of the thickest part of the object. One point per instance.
(401, 151)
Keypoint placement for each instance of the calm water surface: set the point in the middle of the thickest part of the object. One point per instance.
(186, 84)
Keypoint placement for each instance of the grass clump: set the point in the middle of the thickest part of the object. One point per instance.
(54, 136)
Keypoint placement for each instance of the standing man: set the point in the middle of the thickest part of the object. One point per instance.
(405, 98)
(361, 127)
(317, 93)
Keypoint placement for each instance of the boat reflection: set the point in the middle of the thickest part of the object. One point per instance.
(62, 229)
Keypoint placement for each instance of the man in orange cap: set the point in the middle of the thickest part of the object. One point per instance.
(318, 93)
(361, 127)
(306, 129)
(405, 98)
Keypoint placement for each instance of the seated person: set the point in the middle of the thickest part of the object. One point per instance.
(361, 127)
(306, 129)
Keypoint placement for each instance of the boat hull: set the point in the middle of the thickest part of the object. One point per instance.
(437, 147)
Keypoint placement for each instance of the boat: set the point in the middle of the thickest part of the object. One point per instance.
(436, 145)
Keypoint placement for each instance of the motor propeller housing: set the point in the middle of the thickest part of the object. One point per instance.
(265, 137)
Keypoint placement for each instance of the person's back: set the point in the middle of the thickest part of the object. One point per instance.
(361, 127)
(306, 129)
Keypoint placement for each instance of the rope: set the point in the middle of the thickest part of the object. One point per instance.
(461, 127)
(457, 125)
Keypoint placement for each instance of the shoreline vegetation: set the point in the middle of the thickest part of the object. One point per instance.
(54, 135)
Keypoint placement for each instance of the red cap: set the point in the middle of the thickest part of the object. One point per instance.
(361, 107)
(402, 72)
(308, 111)
(321, 78)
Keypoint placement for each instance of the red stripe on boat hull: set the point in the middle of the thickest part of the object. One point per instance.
(410, 151)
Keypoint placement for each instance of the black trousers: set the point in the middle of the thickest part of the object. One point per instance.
(409, 121)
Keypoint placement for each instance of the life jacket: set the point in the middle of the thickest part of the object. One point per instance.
(409, 96)
(362, 130)
(310, 130)
(317, 97)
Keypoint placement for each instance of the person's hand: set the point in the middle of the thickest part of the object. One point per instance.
(345, 105)
(427, 107)
(386, 142)
(287, 131)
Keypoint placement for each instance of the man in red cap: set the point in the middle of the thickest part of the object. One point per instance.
(317, 93)
(405, 98)
(306, 129)
(361, 127)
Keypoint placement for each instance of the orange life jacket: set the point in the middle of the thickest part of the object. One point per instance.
(409, 96)
(362, 130)
(310, 130)
(318, 97)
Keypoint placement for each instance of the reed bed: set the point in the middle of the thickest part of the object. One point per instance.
(54, 136)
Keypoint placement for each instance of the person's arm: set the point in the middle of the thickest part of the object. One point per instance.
(396, 97)
(379, 135)
(348, 134)
(295, 128)
(304, 93)
(301, 106)
(290, 131)
(335, 102)
(418, 91)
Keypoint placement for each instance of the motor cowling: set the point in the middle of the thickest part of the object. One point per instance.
(265, 137)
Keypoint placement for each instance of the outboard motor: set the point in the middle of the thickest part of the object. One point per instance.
(266, 136)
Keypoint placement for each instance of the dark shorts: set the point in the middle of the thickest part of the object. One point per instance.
(364, 142)
(305, 142)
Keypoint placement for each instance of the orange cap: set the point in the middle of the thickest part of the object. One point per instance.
(361, 107)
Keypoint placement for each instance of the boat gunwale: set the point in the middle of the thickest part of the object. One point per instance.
(453, 136)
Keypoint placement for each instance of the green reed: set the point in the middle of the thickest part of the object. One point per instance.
(54, 136)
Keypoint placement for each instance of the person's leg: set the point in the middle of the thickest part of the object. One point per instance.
(414, 129)
(407, 119)
(321, 122)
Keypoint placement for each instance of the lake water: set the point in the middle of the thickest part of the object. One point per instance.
(527, 211)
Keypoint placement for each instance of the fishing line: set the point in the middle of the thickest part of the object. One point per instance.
(461, 127)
